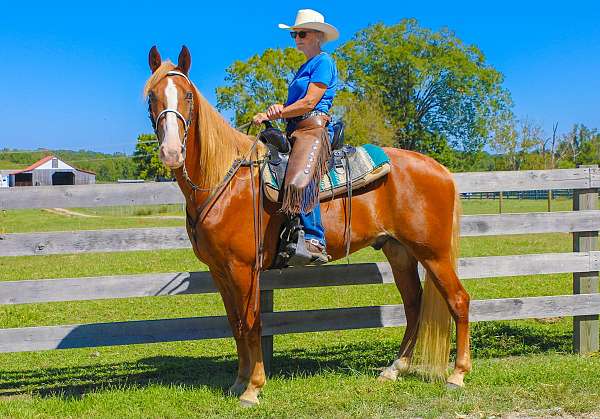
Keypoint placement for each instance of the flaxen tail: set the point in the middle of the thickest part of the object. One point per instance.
(432, 349)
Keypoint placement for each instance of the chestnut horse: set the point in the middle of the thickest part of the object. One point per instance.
(412, 214)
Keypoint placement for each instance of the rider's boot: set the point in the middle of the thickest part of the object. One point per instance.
(303, 251)
(317, 252)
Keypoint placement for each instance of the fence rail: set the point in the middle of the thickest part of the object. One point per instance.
(584, 262)
(183, 283)
(130, 239)
(85, 196)
(276, 323)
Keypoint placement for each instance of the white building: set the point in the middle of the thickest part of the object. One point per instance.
(48, 171)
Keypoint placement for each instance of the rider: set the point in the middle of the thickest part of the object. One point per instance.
(306, 111)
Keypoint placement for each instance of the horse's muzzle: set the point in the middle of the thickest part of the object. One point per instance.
(173, 159)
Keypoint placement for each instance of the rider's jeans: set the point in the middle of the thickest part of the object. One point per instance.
(313, 229)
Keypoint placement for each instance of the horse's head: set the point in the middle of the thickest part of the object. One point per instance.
(170, 105)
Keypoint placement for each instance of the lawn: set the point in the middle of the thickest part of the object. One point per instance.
(519, 366)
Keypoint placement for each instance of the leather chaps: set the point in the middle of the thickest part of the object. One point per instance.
(307, 164)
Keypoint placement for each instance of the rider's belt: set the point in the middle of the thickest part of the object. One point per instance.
(310, 153)
(307, 115)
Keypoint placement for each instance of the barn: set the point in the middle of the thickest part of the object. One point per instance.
(49, 171)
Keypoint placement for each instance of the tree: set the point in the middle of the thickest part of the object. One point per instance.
(521, 143)
(437, 92)
(375, 129)
(146, 158)
(581, 145)
(253, 85)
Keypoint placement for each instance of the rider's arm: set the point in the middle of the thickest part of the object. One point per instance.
(313, 95)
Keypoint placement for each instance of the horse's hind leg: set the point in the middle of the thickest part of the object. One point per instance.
(457, 299)
(404, 269)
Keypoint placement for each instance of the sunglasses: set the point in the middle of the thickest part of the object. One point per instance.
(301, 34)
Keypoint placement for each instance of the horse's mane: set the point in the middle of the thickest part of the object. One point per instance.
(219, 144)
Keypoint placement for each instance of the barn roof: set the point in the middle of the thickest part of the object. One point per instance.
(44, 160)
(34, 165)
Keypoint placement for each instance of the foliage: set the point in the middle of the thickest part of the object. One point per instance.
(148, 164)
(581, 145)
(375, 129)
(523, 144)
(520, 142)
(253, 85)
(438, 92)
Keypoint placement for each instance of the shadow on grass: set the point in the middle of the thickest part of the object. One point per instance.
(500, 339)
(496, 339)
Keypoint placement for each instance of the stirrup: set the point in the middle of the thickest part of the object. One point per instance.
(302, 256)
(292, 247)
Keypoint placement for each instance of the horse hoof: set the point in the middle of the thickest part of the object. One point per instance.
(387, 376)
(237, 389)
(452, 386)
(249, 402)
(454, 382)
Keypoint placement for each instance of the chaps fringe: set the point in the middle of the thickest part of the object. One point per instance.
(302, 200)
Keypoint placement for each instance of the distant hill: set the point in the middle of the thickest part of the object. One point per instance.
(108, 167)
(5, 164)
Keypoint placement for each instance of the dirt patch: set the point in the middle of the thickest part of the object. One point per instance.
(69, 213)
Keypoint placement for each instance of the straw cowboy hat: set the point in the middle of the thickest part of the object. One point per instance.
(311, 19)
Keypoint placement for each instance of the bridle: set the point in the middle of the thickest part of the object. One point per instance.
(189, 97)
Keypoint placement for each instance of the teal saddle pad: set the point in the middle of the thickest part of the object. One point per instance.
(368, 163)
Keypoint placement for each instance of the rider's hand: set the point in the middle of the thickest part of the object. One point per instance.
(259, 118)
(274, 111)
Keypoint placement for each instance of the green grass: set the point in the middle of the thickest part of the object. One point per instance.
(519, 366)
(32, 220)
(492, 206)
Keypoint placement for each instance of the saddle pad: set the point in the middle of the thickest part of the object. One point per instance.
(368, 163)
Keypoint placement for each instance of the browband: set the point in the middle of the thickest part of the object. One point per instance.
(179, 73)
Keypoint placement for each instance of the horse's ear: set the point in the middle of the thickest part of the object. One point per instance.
(185, 60)
(154, 59)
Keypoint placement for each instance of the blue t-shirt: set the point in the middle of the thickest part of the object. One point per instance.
(319, 69)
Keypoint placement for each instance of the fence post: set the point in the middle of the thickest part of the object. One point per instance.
(585, 328)
(500, 202)
(266, 306)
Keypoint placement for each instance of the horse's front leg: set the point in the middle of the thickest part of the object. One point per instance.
(222, 281)
(239, 292)
(243, 375)
(257, 377)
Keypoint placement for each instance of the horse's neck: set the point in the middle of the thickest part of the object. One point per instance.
(195, 172)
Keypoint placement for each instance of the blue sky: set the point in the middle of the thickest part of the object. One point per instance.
(71, 75)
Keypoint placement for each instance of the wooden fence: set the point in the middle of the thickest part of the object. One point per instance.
(583, 262)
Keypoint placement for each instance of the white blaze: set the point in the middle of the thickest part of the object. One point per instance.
(171, 126)
(170, 148)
